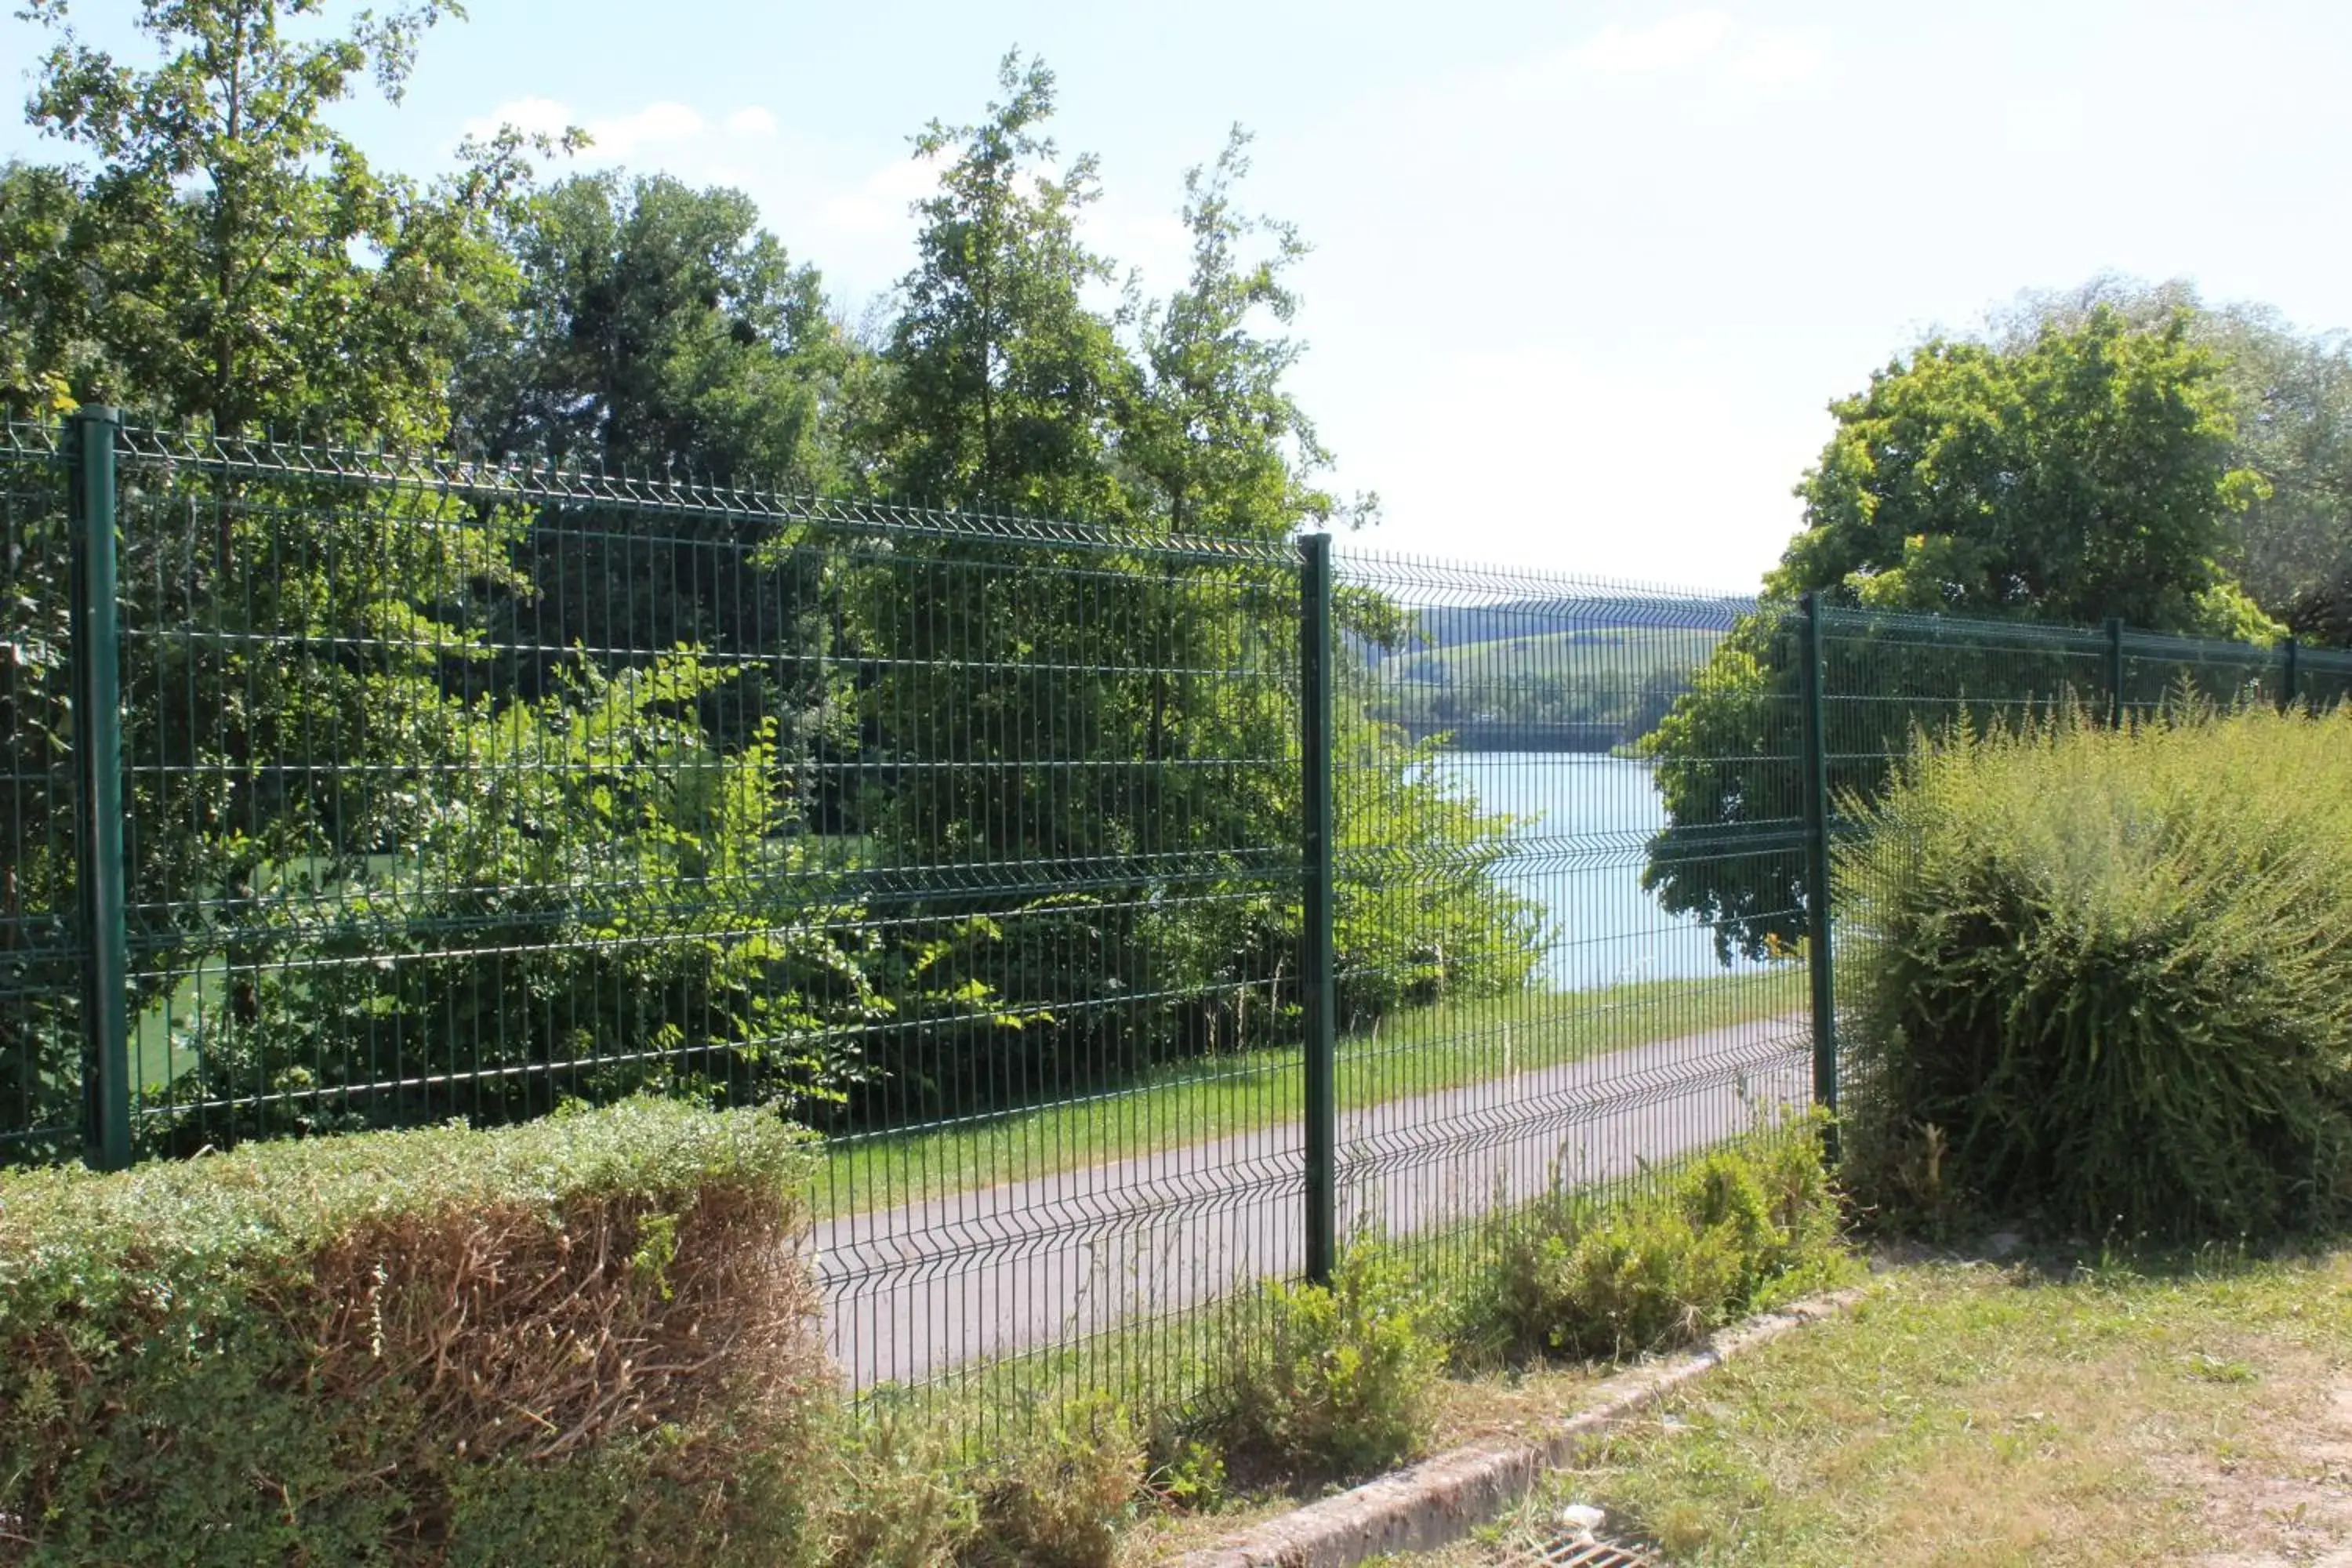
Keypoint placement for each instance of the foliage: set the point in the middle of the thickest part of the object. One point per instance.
(1421, 912)
(1736, 1228)
(1002, 380)
(2111, 971)
(430, 788)
(900, 1496)
(658, 329)
(1327, 1383)
(2083, 474)
(585, 1340)
(236, 259)
(1058, 1500)
(2292, 544)
(1161, 773)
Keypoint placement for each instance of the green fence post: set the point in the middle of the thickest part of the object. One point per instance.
(2114, 672)
(1818, 957)
(1320, 960)
(2291, 659)
(98, 761)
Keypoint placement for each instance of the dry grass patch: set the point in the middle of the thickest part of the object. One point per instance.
(1988, 1416)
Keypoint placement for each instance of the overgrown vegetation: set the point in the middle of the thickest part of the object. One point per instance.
(1733, 1230)
(586, 1339)
(2107, 977)
(1327, 1383)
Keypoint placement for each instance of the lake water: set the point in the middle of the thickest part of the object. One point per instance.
(1579, 852)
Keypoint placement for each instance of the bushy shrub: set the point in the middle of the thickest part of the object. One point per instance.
(2107, 976)
(1058, 1498)
(1327, 1383)
(1576, 1275)
(588, 1339)
(899, 1496)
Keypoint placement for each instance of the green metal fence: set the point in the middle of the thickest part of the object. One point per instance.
(1135, 916)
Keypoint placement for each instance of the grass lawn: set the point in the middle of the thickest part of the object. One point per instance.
(1417, 1052)
(2196, 1411)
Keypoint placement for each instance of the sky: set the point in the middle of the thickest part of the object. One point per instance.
(1585, 275)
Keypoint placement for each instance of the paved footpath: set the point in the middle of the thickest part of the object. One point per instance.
(911, 1291)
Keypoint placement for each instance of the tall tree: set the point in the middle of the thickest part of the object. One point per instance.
(1002, 379)
(1214, 431)
(245, 263)
(660, 328)
(2081, 472)
(2292, 394)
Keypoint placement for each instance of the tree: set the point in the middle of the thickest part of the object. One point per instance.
(244, 265)
(658, 329)
(2293, 395)
(45, 350)
(1003, 380)
(2083, 472)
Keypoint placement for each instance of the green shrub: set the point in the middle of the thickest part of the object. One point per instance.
(1733, 1230)
(2107, 977)
(1321, 1383)
(1059, 1498)
(584, 1339)
(899, 1496)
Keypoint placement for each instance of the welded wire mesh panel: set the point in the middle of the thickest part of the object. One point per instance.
(2323, 679)
(973, 843)
(1548, 977)
(41, 1108)
(2162, 673)
(1890, 682)
(1079, 820)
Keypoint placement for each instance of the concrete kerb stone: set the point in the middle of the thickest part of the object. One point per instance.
(1442, 1499)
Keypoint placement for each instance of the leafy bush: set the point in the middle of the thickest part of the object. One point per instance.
(585, 1340)
(898, 1498)
(1058, 1500)
(1736, 1228)
(1327, 1383)
(2108, 975)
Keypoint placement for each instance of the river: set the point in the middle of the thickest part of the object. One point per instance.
(1578, 851)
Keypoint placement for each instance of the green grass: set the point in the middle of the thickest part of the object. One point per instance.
(1422, 1050)
(2042, 1414)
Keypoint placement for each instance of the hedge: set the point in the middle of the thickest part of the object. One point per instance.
(2104, 977)
(590, 1339)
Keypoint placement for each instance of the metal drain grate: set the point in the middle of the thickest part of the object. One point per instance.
(1584, 1551)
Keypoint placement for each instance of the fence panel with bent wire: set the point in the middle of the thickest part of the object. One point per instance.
(1544, 984)
(981, 844)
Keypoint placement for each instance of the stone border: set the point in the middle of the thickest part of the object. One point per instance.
(1442, 1499)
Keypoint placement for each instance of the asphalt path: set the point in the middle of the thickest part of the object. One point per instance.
(909, 1292)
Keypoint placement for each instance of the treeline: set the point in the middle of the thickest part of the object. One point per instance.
(2116, 453)
(441, 803)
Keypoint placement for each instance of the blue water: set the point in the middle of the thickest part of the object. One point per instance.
(1578, 852)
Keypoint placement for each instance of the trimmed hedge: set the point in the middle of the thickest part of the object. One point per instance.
(590, 1339)
(2106, 977)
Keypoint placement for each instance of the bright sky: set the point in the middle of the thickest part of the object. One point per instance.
(1585, 274)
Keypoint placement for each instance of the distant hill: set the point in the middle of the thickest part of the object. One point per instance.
(1569, 674)
(1452, 626)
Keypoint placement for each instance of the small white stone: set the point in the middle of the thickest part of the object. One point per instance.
(1582, 1520)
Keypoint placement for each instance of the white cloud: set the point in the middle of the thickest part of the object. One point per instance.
(662, 125)
(1676, 41)
(539, 116)
(878, 204)
(1777, 61)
